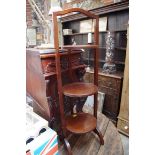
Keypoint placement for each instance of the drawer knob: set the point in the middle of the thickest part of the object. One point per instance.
(126, 127)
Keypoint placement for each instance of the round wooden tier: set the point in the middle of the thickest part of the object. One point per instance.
(88, 144)
(80, 123)
(79, 89)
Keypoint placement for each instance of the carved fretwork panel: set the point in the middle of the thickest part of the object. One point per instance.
(54, 113)
(64, 63)
(75, 60)
(49, 66)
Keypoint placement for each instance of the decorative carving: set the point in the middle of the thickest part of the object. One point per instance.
(54, 118)
(109, 66)
(64, 63)
(75, 60)
(50, 67)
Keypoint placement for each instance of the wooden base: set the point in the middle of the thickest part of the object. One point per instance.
(79, 89)
(80, 123)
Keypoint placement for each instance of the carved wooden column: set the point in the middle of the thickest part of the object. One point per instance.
(109, 66)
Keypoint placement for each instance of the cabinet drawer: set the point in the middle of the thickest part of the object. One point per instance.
(111, 105)
(104, 81)
(107, 90)
(123, 126)
(109, 82)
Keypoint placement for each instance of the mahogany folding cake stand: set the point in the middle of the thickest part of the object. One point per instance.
(79, 122)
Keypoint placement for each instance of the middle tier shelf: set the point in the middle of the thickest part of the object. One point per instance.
(80, 123)
(79, 89)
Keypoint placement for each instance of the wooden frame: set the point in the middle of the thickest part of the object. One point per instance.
(99, 11)
(95, 46)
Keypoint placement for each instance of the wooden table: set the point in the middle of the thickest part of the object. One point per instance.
(88, 144)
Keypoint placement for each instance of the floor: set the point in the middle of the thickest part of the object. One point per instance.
(88, 144)
(125, 139)
(125, 142)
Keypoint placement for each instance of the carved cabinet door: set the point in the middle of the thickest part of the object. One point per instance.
(111, 105)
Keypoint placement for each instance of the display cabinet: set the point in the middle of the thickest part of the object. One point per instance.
(117, 20)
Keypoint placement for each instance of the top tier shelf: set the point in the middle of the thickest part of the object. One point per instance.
(80, 89)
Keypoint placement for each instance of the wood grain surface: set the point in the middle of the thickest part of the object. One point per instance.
(88, 144)
(79, 89)
(80, 123)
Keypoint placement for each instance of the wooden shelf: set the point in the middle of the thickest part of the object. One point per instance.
(119, 62)
(74, 34)
(121, 48)
(50, 55)
(119, 30)
(79, 89)
(80, 123)
(80, 46)
(116, 62)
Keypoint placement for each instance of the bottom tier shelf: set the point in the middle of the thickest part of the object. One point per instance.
(80, 123)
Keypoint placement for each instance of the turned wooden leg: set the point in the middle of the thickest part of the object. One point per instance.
(97, 131)
(68, 147)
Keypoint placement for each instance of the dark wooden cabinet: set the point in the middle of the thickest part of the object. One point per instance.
(111, 86)
(41, 81)
(117, 21)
